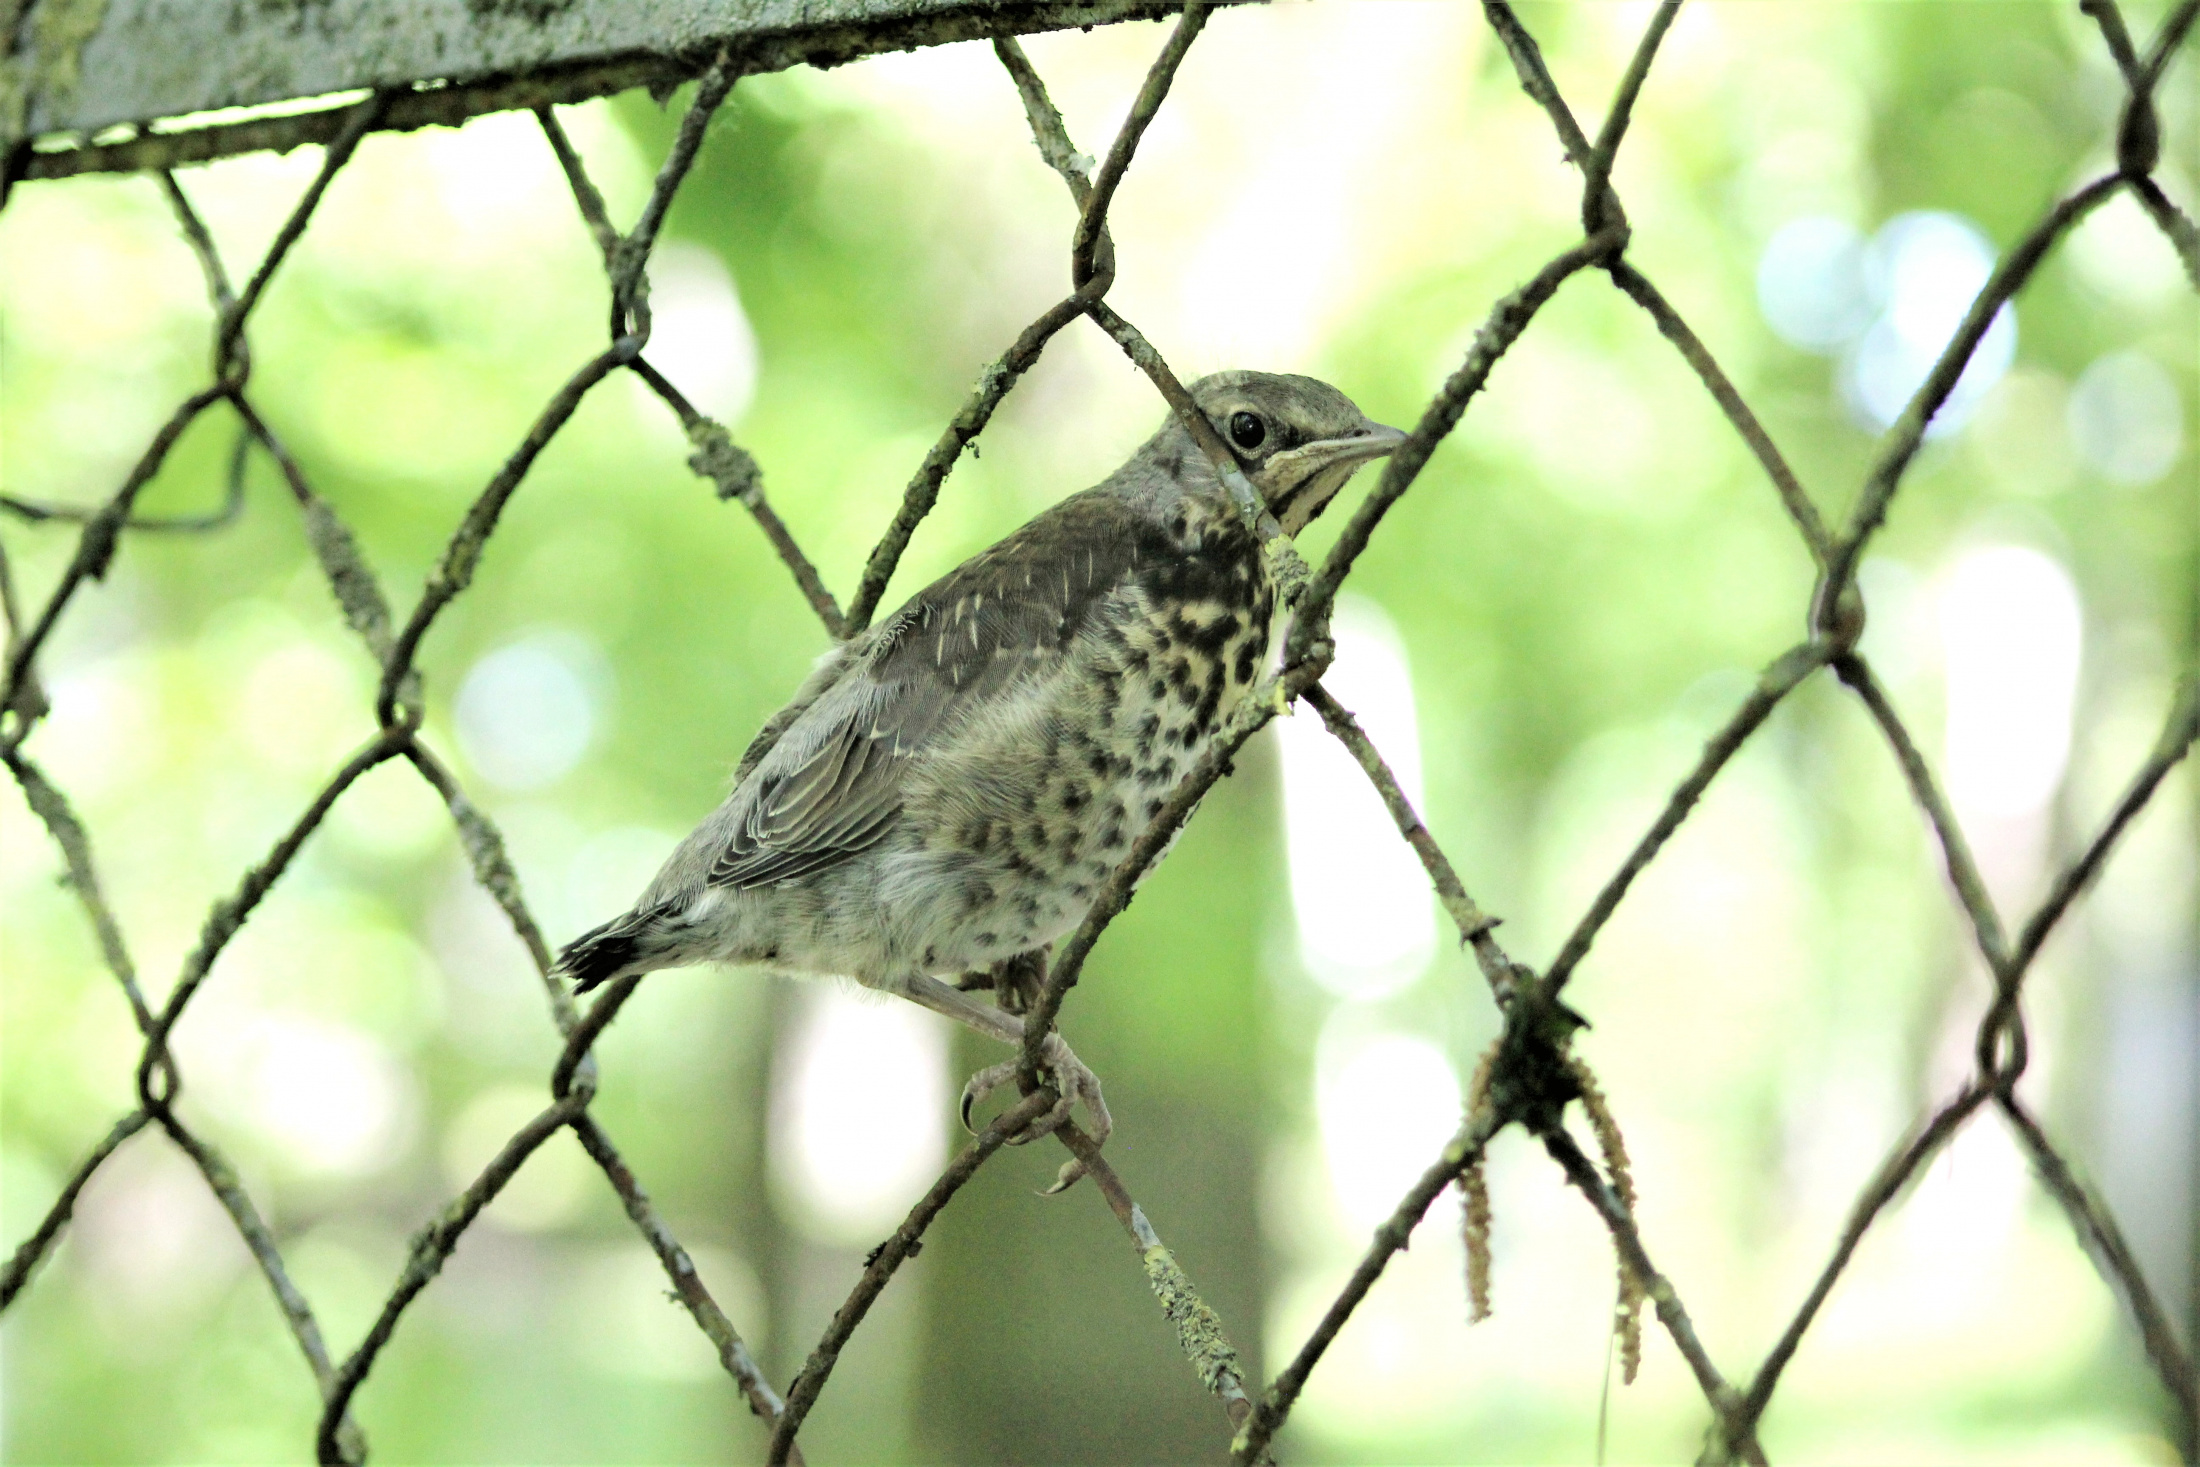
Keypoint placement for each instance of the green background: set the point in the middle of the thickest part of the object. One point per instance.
(1582, 582)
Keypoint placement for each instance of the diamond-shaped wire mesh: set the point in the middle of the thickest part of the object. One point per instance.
(1529, 1077)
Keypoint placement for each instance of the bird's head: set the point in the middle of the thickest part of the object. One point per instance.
(1297, 438)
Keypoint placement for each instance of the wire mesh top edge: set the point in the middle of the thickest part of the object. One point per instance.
(150, 61)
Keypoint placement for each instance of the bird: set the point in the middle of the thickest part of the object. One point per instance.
(948, 791)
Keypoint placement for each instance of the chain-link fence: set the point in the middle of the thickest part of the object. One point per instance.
(1529, 1077)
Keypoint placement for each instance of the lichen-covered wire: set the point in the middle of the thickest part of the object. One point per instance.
(1528, 1082)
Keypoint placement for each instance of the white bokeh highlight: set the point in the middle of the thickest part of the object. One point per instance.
(1810, 284)
(2125, 419)
(2011, 633)
(1385, 1102)
(699, 336)
(329, 1098)
(1244, 259)
(1359, 897)
(858, 1112)
(1887, 306)
(528, 712)
(1925, 269)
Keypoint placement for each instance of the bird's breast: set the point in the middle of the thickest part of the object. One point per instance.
(1157, 686)
(1035, 803)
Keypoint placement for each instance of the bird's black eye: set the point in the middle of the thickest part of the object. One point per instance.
(1247, 431)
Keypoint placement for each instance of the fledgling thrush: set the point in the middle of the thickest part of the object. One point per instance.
(950, 789)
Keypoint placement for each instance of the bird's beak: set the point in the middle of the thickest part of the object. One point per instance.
(1309, 476)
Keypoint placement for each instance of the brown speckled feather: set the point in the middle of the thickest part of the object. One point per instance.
(830, 785)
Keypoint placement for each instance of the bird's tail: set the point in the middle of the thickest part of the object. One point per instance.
(601, 954)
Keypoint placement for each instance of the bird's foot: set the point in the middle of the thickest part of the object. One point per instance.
(1075, 1084)
(1015, 983)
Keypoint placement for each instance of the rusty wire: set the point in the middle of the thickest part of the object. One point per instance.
(1532, 1077)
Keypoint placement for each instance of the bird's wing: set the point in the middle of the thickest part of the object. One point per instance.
(830, 785)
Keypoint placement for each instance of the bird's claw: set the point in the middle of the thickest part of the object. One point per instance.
(1074, 1084)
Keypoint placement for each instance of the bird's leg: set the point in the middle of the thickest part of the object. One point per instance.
(1014, 982)
(1073, 1079)
(1018, 980)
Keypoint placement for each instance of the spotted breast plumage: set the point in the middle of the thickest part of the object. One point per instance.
(948, 791)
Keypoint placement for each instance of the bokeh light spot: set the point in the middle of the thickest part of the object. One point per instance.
(858, 1112)
(699, 335)
(330, 1097)
(1889, 306)
(1925, 269)
(2010, 636)
(2125, 418)
(1362, 903)
(1386, 1103)
(527, 712)
(1810, 284)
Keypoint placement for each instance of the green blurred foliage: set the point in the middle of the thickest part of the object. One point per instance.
(1584, 580)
